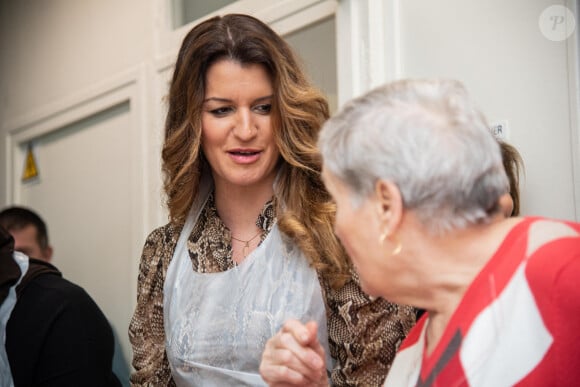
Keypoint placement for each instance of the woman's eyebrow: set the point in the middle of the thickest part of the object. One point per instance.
(226, 100)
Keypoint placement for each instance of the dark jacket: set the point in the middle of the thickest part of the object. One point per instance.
(56, 334)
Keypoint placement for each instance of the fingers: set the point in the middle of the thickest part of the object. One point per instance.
(282, 376)
(289, 373)
(294, 357)
(303, 333)
(312, 327)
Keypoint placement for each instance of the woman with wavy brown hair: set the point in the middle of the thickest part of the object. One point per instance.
(249, 249)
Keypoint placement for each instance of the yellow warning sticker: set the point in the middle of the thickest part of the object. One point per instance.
(30, 168)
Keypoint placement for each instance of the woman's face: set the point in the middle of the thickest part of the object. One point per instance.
(357, 227)
(237, 137)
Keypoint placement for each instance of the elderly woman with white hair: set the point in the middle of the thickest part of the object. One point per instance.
(417, 179)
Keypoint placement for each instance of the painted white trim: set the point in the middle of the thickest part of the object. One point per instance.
(390, 19)
(57, 115)
(139, 118)
(66, 109)
(160, 82)
(165, 62)
(305, 17)
(272, 11)
(282, 9)
(369, 50)
(128, 87)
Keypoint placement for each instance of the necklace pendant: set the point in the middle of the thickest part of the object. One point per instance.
(246, 248)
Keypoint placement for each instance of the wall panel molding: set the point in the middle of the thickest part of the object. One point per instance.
(126, 88)
(284, 16)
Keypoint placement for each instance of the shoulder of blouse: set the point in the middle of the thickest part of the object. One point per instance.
(364, 333)
(146, 331)
(158, 250)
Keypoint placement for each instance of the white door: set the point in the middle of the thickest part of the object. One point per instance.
(89, 192)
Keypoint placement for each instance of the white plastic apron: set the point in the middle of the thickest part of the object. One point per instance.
(217, 324)
(5, 312)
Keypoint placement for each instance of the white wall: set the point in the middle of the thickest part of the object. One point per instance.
(62, 46)
(54, 49)
(496, 48)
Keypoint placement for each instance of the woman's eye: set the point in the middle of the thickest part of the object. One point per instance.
(222, 111)
(263, 108)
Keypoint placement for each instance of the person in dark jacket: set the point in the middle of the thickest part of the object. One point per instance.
(52, 331)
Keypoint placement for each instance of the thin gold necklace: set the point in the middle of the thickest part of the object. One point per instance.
(246, 248)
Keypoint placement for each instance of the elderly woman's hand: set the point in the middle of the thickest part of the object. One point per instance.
(294, 357)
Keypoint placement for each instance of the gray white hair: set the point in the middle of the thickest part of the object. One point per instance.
(426, 137)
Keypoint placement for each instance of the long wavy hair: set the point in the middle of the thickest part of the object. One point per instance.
(304, 209)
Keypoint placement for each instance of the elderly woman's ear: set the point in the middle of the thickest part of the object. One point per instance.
(389, 206)
(506, 203)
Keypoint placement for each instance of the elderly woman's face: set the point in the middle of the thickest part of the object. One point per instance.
(357, 227)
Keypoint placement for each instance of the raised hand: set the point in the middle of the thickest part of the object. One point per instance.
(294, 357)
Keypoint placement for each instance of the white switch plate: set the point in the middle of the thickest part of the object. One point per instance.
(500, 130)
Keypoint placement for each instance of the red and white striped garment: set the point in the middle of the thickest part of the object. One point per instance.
(517, 324)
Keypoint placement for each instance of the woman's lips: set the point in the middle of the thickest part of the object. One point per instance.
(244, 156)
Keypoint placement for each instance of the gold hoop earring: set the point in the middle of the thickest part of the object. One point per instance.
(397, 248)
(383, 236)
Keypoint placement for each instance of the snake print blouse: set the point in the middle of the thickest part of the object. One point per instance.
(364, 335)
